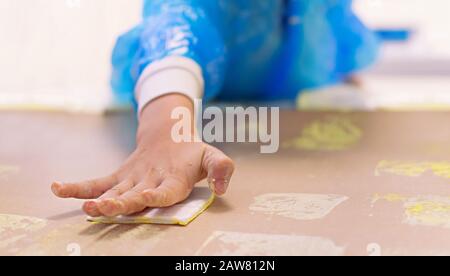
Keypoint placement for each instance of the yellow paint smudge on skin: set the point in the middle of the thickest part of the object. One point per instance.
(422, 210)
(413, 169)
(297, 206)
(330, 134)
(250, 244)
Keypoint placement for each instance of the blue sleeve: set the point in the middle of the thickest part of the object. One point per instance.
(325, 43)
(170, 28)
(357, 44)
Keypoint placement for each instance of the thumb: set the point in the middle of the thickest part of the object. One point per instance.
(219, 167)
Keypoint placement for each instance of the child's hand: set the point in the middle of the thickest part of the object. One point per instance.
(159, 173)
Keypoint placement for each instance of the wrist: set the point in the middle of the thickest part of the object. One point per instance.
(167, 76)
(156, 118)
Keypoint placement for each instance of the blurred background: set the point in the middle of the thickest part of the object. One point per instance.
(55, 54)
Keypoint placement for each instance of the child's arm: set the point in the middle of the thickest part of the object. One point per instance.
(162, 172)
(159, 173)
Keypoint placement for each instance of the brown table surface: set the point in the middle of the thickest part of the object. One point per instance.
(38, 148)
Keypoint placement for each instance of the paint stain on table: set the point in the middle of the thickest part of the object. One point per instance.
(429, 210)
(243, 244)
(442, 148)
(6, 169)
(87, 239)
(329, 134)
(297, 206)
(413, 169)
(15, 228)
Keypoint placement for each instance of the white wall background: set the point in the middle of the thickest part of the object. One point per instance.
(429, 18)
(60, 49)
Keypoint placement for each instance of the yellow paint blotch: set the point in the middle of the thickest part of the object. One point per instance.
(441, 169)
(431, 211)
(96, 239)
(413, 169)
(330, 134)
(422, 210)
(8, 169)
(297, 206)
(13, 223)
(15, 228)
(250, 244)
(390, 198)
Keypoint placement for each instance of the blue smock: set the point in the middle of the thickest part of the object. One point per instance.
(248, 49)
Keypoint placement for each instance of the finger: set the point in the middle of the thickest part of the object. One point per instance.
(108, 204)
(90, 208)
(118, 190)
(86, 189)
(171, 191)
(220, 168)
(134, 200)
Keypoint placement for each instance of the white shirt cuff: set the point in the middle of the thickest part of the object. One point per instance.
(174, 74)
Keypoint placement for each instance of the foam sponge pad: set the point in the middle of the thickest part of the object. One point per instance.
(181, 214)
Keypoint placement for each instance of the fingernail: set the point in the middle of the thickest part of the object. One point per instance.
(222, 186)
(90, 206)
(229, 172)
(212, 184)
(226, 183)
(56, 187)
